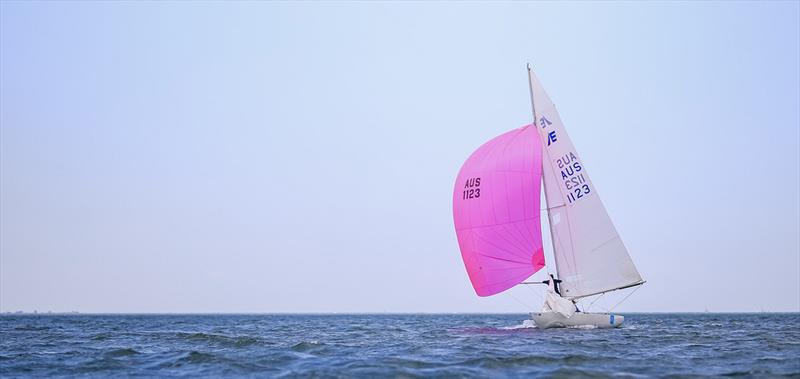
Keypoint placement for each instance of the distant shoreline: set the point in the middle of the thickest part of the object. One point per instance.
(6, 314)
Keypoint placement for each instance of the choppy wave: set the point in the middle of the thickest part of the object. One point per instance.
(213, 338)
(526, 324)
(586, 327)
(306, 346)
(123, 352)
(396, 346)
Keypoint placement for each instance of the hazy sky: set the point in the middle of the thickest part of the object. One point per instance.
(294, 157)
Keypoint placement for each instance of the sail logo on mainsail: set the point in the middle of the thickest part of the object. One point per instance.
(551, 135)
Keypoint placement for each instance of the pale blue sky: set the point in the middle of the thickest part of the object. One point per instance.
(293, 157)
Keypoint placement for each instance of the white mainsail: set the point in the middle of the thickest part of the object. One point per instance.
(590, 256)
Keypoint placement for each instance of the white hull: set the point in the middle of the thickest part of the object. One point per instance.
(545, 320)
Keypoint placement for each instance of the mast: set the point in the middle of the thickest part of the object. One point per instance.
(544, 153)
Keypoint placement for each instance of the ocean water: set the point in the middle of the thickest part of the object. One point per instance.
(648, 345)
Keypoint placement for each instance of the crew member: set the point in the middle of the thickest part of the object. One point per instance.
(555, 283)
(555, 288)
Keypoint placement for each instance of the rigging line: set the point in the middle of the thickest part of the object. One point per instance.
(526, 306)
(595, 300)
(603, 306)
(615, 289)
(625, 298)
(600, 304)
(535, 292)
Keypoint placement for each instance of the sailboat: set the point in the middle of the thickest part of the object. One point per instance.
(497, 214)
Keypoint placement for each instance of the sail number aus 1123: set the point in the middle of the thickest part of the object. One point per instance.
(472, 189)
(574, 182)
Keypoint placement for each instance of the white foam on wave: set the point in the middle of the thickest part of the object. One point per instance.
(527, 324)
(582, 327)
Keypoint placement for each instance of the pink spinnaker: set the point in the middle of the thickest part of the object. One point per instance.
(496, 208)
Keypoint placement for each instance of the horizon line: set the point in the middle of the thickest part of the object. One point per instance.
(21, 313)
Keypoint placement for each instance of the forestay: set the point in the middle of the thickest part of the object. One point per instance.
(590, 256)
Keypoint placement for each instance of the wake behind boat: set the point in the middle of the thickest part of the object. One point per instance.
(496, 209)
